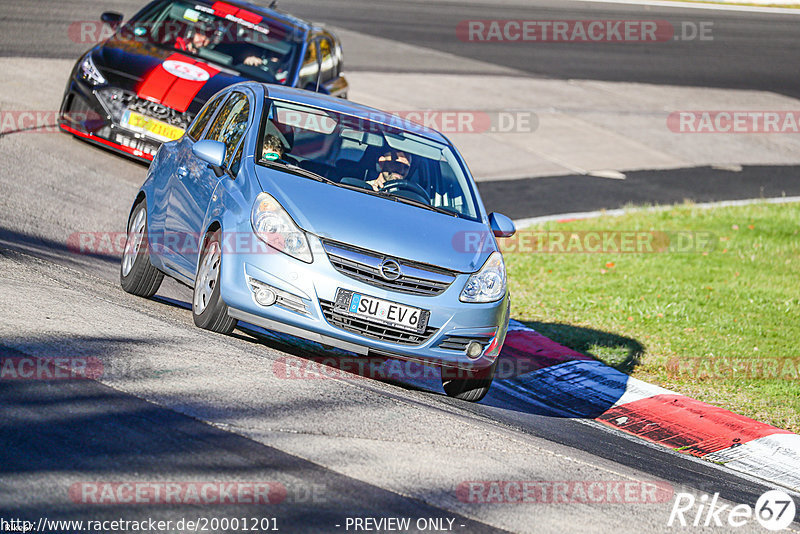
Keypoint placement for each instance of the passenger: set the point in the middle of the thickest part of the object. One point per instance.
(272, 149)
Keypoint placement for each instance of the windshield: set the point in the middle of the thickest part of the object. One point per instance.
(241, 40)
(379, 156)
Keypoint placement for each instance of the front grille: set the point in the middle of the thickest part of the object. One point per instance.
(116, 101)
(415, 278)
(372, 330)
(460, 343)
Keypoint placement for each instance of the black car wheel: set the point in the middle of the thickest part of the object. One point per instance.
(469, 386)
(208, 308)
(137, 275)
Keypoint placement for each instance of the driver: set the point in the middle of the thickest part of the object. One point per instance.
(393, 165)
(201, 37)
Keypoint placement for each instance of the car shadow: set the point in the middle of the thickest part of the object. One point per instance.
(562, 370)
(622, 353)
(549, 369)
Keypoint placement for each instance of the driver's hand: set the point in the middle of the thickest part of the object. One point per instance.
(383, 178)
(253, 61)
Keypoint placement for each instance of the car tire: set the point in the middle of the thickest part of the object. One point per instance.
(136, 274)
(209, 310)
(473, 387)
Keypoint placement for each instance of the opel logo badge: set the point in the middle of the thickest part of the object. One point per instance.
(390, 270)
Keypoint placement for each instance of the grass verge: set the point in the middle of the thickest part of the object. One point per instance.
(713, 312)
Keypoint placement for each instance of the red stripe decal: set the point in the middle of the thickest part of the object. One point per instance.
(170, 90)
(249, 16)
(686, 424)
(221, 9)
(123, 148)
(182, 92)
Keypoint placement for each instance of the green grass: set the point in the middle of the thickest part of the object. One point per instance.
(689, 321)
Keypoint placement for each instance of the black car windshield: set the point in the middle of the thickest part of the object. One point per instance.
(383, 155)
(239, 39)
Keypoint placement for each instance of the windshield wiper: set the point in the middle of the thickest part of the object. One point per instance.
(294, 169)
(412, 202)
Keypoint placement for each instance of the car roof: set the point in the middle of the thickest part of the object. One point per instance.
(347, 107)
(274, 14)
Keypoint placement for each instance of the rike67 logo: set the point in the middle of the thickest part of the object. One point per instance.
(775, 510)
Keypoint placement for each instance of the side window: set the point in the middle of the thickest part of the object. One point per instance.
(327, 63)
(199, 124)
(231, 123)
(236, 162)
(310, 68)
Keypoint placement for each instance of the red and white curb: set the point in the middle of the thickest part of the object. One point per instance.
(579, 386)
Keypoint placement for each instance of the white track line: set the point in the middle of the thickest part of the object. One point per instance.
(689, 5)
(523, 223)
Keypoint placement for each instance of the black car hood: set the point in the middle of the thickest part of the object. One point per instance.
(131, 65)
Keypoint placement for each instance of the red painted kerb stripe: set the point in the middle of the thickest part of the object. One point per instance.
(686, 424)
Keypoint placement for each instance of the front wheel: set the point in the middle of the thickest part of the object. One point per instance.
(208, 308)
(469, 386)
(137, 275)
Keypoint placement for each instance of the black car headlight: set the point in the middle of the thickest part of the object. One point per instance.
(89, 72)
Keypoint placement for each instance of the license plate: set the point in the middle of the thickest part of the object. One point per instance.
(145, 147)
(382, 311)
(158, 129)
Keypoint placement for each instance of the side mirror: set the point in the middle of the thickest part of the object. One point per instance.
(112, 18)
(501, 225)
(212, 152)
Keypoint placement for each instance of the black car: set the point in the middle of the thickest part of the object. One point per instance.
(144, 85)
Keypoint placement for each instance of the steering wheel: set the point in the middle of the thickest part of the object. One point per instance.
(406, 185)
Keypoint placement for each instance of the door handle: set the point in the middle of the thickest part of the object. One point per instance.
(182, 172)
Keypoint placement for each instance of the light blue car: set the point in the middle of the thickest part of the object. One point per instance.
(330, 221)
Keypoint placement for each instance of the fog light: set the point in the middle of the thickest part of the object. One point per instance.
(265, 296)
(474, 350)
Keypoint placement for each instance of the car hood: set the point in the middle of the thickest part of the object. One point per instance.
(138, 67)
(378, 224)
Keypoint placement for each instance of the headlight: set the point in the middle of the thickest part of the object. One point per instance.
(90, 72)
(488, 284)
(274, 227)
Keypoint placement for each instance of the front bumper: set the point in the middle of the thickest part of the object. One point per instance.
(307, 293)
(86, 115)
